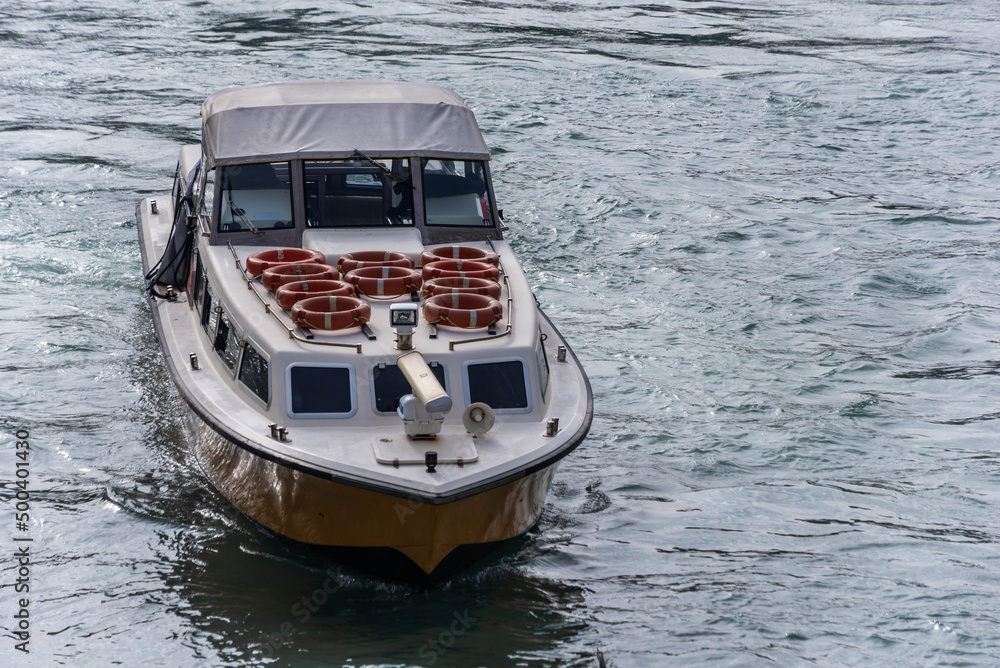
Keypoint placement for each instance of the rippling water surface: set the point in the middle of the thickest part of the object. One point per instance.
(769, 230)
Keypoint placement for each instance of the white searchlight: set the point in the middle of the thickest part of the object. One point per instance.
(422, 411)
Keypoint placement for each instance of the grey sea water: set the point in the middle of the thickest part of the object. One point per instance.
(769, 229)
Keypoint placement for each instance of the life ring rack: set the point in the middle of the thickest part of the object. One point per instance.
(262, 260)
(459, 253)
(331, 312)
(358, 259)
(463, 310)
(449, 285)
(294, 332)
(385, 282)
(461, 269)
(290, 294)
(275, 277)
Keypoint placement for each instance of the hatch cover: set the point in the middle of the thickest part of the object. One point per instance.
(402, 450)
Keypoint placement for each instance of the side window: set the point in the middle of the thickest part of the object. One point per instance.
(209, 311)
(318, 391)
(209, 187)
(227, 342)
(389, 384)
(253, 373)
(503, 385)
(543, 365)
(197, 286)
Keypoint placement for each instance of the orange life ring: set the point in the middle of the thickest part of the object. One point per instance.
(272, 257)
(387, 282)
(290, 294)
(460, 269)
(467, 311)
(358, 259)
(331, 312)
(447, 285)
(275, 277)
(459, 253)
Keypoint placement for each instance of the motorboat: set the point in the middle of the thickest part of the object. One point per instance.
(357, 349)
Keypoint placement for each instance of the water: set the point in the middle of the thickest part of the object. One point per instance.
(768, 229)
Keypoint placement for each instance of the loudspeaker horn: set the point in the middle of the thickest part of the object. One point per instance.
(478, 418)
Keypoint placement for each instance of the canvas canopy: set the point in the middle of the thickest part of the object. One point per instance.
(333, 119)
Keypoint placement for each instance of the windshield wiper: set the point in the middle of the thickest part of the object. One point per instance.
(384, 169)
(236, 211)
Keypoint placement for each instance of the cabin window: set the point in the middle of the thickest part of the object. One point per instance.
(197, 279)
(543, 366)
(255, 197)
(389, 384)
(321, 390)
(209, 194)
(501, 384)
(358, 193)
(227, 342)
(455, 193)
(253, 373)
(210, 311)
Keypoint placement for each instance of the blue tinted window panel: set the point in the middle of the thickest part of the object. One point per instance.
(498, 384)
(317, 391)
(390, 385)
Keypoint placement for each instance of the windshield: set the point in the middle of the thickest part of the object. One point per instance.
(255, 197)
(359, 192)
(455, 193)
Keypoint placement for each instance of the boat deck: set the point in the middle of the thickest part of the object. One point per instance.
(350, 448)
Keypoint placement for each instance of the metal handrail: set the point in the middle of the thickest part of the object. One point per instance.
(510, 307)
